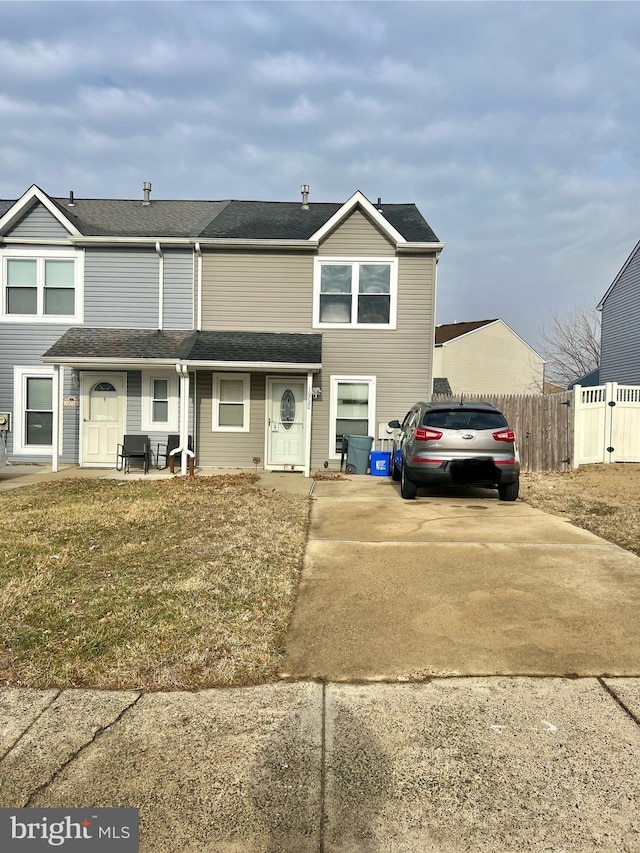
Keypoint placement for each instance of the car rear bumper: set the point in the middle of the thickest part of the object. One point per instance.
(478, 471)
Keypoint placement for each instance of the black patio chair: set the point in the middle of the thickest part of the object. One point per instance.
(163, 451)
(136, 447)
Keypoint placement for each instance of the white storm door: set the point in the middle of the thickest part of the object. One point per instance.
(287, 422)
(102, 402)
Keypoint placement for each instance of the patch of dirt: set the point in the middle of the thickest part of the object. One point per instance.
(604, 499)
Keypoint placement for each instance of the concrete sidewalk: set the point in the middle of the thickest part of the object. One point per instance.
(392, 592)
(484, 765)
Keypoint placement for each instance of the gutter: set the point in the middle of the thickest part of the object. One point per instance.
(189, 242)
(135, 363)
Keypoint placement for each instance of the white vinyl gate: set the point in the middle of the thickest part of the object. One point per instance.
(607, 424)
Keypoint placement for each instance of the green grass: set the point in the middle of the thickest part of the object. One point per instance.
(178, 584)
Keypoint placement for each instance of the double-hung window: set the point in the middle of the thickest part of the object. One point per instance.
(160, 402)
(352, 406)
(231, 395)
(33, 410)
(360, 293)
(40, 287)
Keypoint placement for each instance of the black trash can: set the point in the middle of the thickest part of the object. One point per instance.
(358, 449)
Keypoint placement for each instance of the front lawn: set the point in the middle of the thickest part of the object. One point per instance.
(174, 585)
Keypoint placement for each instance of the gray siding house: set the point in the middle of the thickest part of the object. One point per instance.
(620, 326)
(263, 329)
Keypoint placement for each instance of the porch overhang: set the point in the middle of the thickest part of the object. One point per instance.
(136, 349)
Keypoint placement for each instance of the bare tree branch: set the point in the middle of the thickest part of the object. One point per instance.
(571, 346)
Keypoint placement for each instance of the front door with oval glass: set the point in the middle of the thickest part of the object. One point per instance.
(102, 417)
(287, 423)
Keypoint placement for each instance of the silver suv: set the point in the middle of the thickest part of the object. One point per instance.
(455, 444)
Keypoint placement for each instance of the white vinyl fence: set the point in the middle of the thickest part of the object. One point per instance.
(606, 424)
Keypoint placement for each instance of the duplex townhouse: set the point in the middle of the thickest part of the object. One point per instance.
(264, 330)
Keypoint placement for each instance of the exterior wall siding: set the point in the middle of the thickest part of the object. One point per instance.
(257, 292)
(229, 449)
(400, 359)
(178, 290)
(39, 224)
(356, 236)
(490, 360)
(121, 288)
(22, 345)
(620, 330)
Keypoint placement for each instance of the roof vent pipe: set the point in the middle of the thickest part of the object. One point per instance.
(146, 189)
(304, 189)
(71, 201)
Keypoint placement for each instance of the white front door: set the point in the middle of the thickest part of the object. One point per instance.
(102, 412)
(287, 422)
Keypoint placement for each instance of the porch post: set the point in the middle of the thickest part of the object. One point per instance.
(183, 372)
(55, 426)
(307, 448)
(184, 419)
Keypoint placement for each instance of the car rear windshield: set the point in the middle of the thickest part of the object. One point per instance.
(464, 419)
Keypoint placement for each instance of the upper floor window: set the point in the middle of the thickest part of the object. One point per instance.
(355, 293)
(40, 287)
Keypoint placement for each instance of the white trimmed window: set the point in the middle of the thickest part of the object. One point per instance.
(352, 409)
(230, 402)
(160, 401)
(355, 293)
(39, 286)
(33, 410)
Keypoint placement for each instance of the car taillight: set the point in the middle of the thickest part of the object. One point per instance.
(505, 435)
(421, 434)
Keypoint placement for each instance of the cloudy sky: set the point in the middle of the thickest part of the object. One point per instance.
(514, 126)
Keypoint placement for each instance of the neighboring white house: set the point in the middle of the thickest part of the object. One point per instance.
(486, 357)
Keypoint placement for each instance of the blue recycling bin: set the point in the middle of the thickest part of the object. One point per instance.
(358, 449)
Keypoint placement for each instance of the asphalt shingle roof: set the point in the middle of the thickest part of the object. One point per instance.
(124, 344)
(110, 217)
(230, 219)
(449, 331)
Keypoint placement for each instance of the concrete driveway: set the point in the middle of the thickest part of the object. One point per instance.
(457, 583)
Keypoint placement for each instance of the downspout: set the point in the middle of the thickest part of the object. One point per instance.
(160, 285)
(433, 340)
(55, 426)
(198, 288)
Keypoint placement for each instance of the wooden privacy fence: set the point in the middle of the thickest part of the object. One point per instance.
(543, 424)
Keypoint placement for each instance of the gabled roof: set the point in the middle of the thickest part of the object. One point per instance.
(222, 219)
(132, 346)
(632, 255)
(34, 195)
(450, 331)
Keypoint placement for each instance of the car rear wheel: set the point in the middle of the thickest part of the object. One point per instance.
(509, 492)
(408, 489)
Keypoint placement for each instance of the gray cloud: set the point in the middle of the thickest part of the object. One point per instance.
(513, 126)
